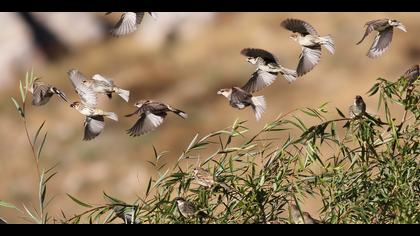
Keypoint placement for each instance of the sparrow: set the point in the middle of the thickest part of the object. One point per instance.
(126, 214)
(412, 74)
(128, 22)
(385, 28)
(358, 109)
(152, 114)
(94, 122)
(241, 97)
(267, 70)
(42, 92)
(205, 179)
(186, 208)
(304, 218)
(311, 43)
(100, 84)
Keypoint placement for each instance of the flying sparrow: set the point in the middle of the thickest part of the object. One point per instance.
(358, 109)
(94, 122)
(100, 84)
(311, 43)
(42, 92)
(206, 179)
(268, 68)
(152, 114)
(299, 217)
(385, 28)
(129, 22)
(240, 98)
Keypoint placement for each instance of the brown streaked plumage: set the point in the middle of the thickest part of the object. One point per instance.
(42, 92)
(382, 41)
(152, 114)
(299, 217)
(358, 109)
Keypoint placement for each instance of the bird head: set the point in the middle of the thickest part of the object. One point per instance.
(179, 200)
(252, 60)
(141, 103)
(75, 105)
(397, 24)
(358, 100)
(294, 37)
(225, 92)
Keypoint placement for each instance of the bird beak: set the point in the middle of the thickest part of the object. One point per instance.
(402, 27)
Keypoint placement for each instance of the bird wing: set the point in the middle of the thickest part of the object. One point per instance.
(259, 80)
(412, 73)
(309, 58)
(381, 43)
(87, 95)
(39, 94)
(299, 26)
(256, 52)
(239, 96)
(154, 15)
(371, 26)
(147, 123)
(127, 24)
(100, 78)
(93, 127)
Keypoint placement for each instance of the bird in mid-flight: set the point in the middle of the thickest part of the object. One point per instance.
(152, 114)
(385, 28)
(268, 68)
(100, 84)
(129, 22)
(310, 41)
(42, 92)
(94, 122)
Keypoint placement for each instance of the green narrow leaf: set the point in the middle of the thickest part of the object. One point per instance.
(36, 220)
(18, 108)
(37, 132)
(22, 92)
(79, 202)
(8, 205)
(340, 113)
(148, 186)
(42, 145)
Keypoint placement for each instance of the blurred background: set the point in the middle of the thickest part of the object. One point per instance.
(181, 59)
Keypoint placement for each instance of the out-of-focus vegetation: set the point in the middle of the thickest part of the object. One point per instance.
(186, 72)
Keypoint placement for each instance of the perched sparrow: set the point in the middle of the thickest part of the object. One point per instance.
(128, 23)
(126, 214)
(42, 92)
(100, 84)
(186, 208)
(304, 218)
(152, 114)
(94, 122)
(268, 68)
(358, 109)
(240, 98)
(205, 179)
(382, 41)
(2, 222)
(412, 74)
(310, 41)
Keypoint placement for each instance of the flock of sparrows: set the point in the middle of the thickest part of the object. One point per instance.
(152, 113)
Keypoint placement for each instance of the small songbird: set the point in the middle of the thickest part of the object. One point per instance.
(94, 122)
(42, 92)
(385, 28)
(240, 98)
(129, 22)
(358, 109)
(268, 68)
(152, 114)
(100, 84)
(186, 208)
(126, 214)
(310, 41)
(302, 218)
(206, 179)
(412, 74)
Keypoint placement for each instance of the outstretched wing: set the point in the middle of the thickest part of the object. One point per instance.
(381, 43)
(127, 23)
(93, 127)
(299, 26)
(100, 78)
(309, 58)
(87, 95)
(256, 52)
(259, 80)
